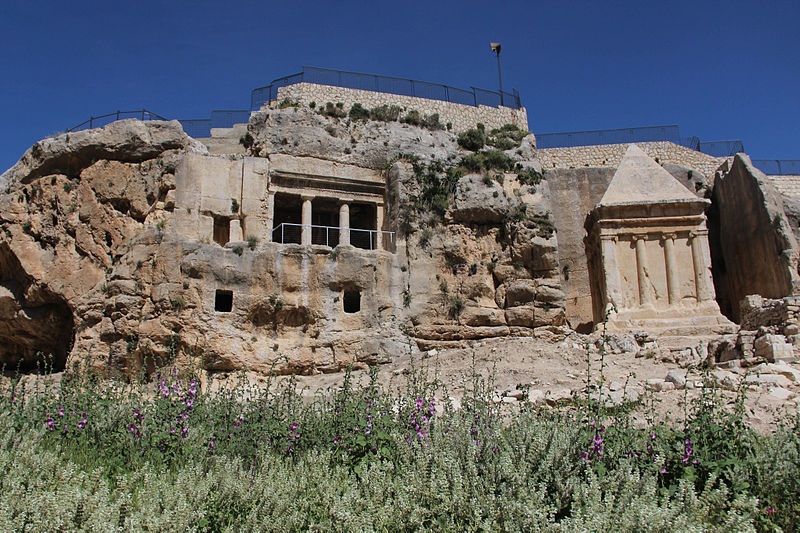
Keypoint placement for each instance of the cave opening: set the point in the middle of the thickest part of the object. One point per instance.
(36, 325)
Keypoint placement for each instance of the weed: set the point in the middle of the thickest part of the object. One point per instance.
(178, 303)
(234, 206)
(246, 140)
(238, 250)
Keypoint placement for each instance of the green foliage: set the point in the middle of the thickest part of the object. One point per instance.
(431, 122)
(487, 160)
(412, 117)
(335, 111)
(238, 250)
(385, 113)
(178, 303)
(507, 137)
(69, 186)
(455, 305)
(358, 112)
(252, 242)
(246, 140)
(286, 102)
(528, 175)
(425, 237)
(169, 455)
(473, 139)
(234, 206)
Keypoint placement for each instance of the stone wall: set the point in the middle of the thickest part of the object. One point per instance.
(462, 117)
(609, 155)
(576, 192)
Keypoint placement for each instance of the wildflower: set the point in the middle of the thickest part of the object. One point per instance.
(185, 432)
(50, 422)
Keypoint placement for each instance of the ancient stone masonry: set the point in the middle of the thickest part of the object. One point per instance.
(649, 253)
(462, 117)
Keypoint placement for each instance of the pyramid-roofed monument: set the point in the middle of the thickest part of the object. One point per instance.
(639, 179)
(649, 259)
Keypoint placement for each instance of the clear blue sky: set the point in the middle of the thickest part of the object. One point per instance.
(720, 70)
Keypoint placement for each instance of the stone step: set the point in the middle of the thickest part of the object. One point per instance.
(223, 146)
(229, 133)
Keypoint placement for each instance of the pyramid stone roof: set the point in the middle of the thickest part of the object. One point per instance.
(639, 179)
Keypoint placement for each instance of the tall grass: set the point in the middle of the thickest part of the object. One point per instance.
(167, 455)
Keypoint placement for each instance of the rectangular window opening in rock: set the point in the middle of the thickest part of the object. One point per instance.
(287, 219)
(222, 230)
(362, 225)
(351, 301)
(223, 301)
(325, 222)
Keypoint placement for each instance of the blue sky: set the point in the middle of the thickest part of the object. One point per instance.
(720, 70)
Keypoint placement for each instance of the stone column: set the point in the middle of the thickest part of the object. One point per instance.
(645, 298)
(673, 277)
(610, 269)
(270, 216)
(344, 224)
(379, 227)
(702, 260)
(305, 235)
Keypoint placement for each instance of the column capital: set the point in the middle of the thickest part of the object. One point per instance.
(307, 197)
(698, 233)
(668, 237)
(639, 237)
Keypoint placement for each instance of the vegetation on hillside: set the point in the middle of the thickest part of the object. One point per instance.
(166, 455)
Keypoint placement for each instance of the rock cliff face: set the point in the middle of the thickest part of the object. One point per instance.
(108, 256)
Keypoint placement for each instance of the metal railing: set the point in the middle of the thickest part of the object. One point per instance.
(385, 84)
(721, 148)
(367, 239)
(617, 136)
(778, 167)
(102, 120)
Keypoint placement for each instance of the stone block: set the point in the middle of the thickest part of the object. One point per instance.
(677, 377)
(773, 347)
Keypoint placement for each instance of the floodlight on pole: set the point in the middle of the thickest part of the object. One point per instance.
(496, 50)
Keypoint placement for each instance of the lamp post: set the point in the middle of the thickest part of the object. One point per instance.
(496, 50)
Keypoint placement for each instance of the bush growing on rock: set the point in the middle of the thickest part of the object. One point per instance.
(472, 139)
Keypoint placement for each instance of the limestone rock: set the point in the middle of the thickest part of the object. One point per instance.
(479, 200)
(124, 140)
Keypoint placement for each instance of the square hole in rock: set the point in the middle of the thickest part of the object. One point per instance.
(352, 301)
(223, 301)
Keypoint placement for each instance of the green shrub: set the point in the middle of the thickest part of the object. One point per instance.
(238, 250)
(234, 206)
(497, 160)
(358, 112)
(335, 111)
(413, 117)
(287, 102)
(473, 139)
(252, 242)
(455, 305)
(246, 140)
(385, 113)
(178, 303)
(431, 122)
